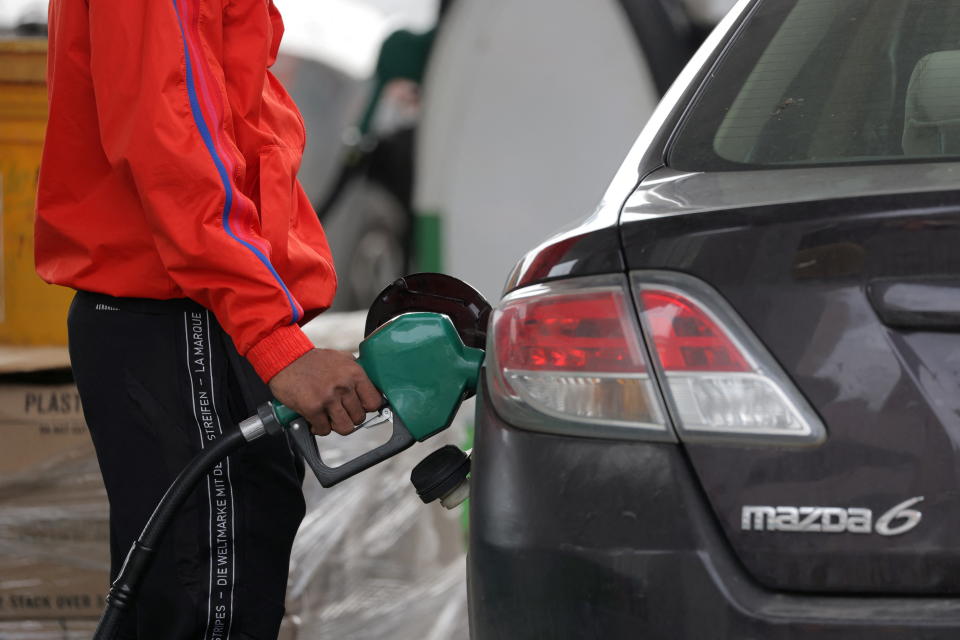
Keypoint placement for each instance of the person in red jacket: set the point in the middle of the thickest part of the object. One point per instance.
(168, 199)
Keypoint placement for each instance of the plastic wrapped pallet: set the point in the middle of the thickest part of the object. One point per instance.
(371, 560)
(47, 630)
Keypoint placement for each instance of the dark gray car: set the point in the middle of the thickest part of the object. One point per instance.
(727, 405)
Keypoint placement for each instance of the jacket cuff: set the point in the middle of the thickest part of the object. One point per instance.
(277, 350)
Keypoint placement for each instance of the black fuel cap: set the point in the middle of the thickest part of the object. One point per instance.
(440, 473)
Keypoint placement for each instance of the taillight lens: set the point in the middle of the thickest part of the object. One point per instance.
(686, 338)
(721, 380)
(570, 357)
(570, 354)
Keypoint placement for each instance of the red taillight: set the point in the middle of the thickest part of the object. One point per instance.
(570, 354)
(575, 333)
(686, 338)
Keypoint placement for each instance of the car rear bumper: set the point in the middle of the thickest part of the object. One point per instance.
(581, 538)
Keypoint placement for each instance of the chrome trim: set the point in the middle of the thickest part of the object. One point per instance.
(253, 428)
(668, 192)
(831, 519)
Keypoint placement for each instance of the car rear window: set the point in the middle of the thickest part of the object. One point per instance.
(820, 82)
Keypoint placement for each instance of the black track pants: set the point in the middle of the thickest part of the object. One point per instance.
(159, 380)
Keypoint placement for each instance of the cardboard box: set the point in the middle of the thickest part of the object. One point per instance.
(42, 427)
(48, 629)
(31, 589)
(54, 531)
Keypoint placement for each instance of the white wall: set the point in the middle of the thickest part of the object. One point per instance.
(530, 108)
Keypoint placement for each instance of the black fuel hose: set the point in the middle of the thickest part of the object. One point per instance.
(123, 591)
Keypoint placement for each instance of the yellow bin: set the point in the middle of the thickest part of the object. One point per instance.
(31, 311)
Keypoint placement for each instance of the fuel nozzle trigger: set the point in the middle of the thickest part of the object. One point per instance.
(328, 476)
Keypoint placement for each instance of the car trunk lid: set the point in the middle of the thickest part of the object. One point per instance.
(854, 292)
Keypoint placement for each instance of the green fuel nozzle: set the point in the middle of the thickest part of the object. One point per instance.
(424, 371)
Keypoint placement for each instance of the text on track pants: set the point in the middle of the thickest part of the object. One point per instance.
(159, 380)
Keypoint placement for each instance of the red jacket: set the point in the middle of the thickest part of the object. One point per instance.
(169, 168)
